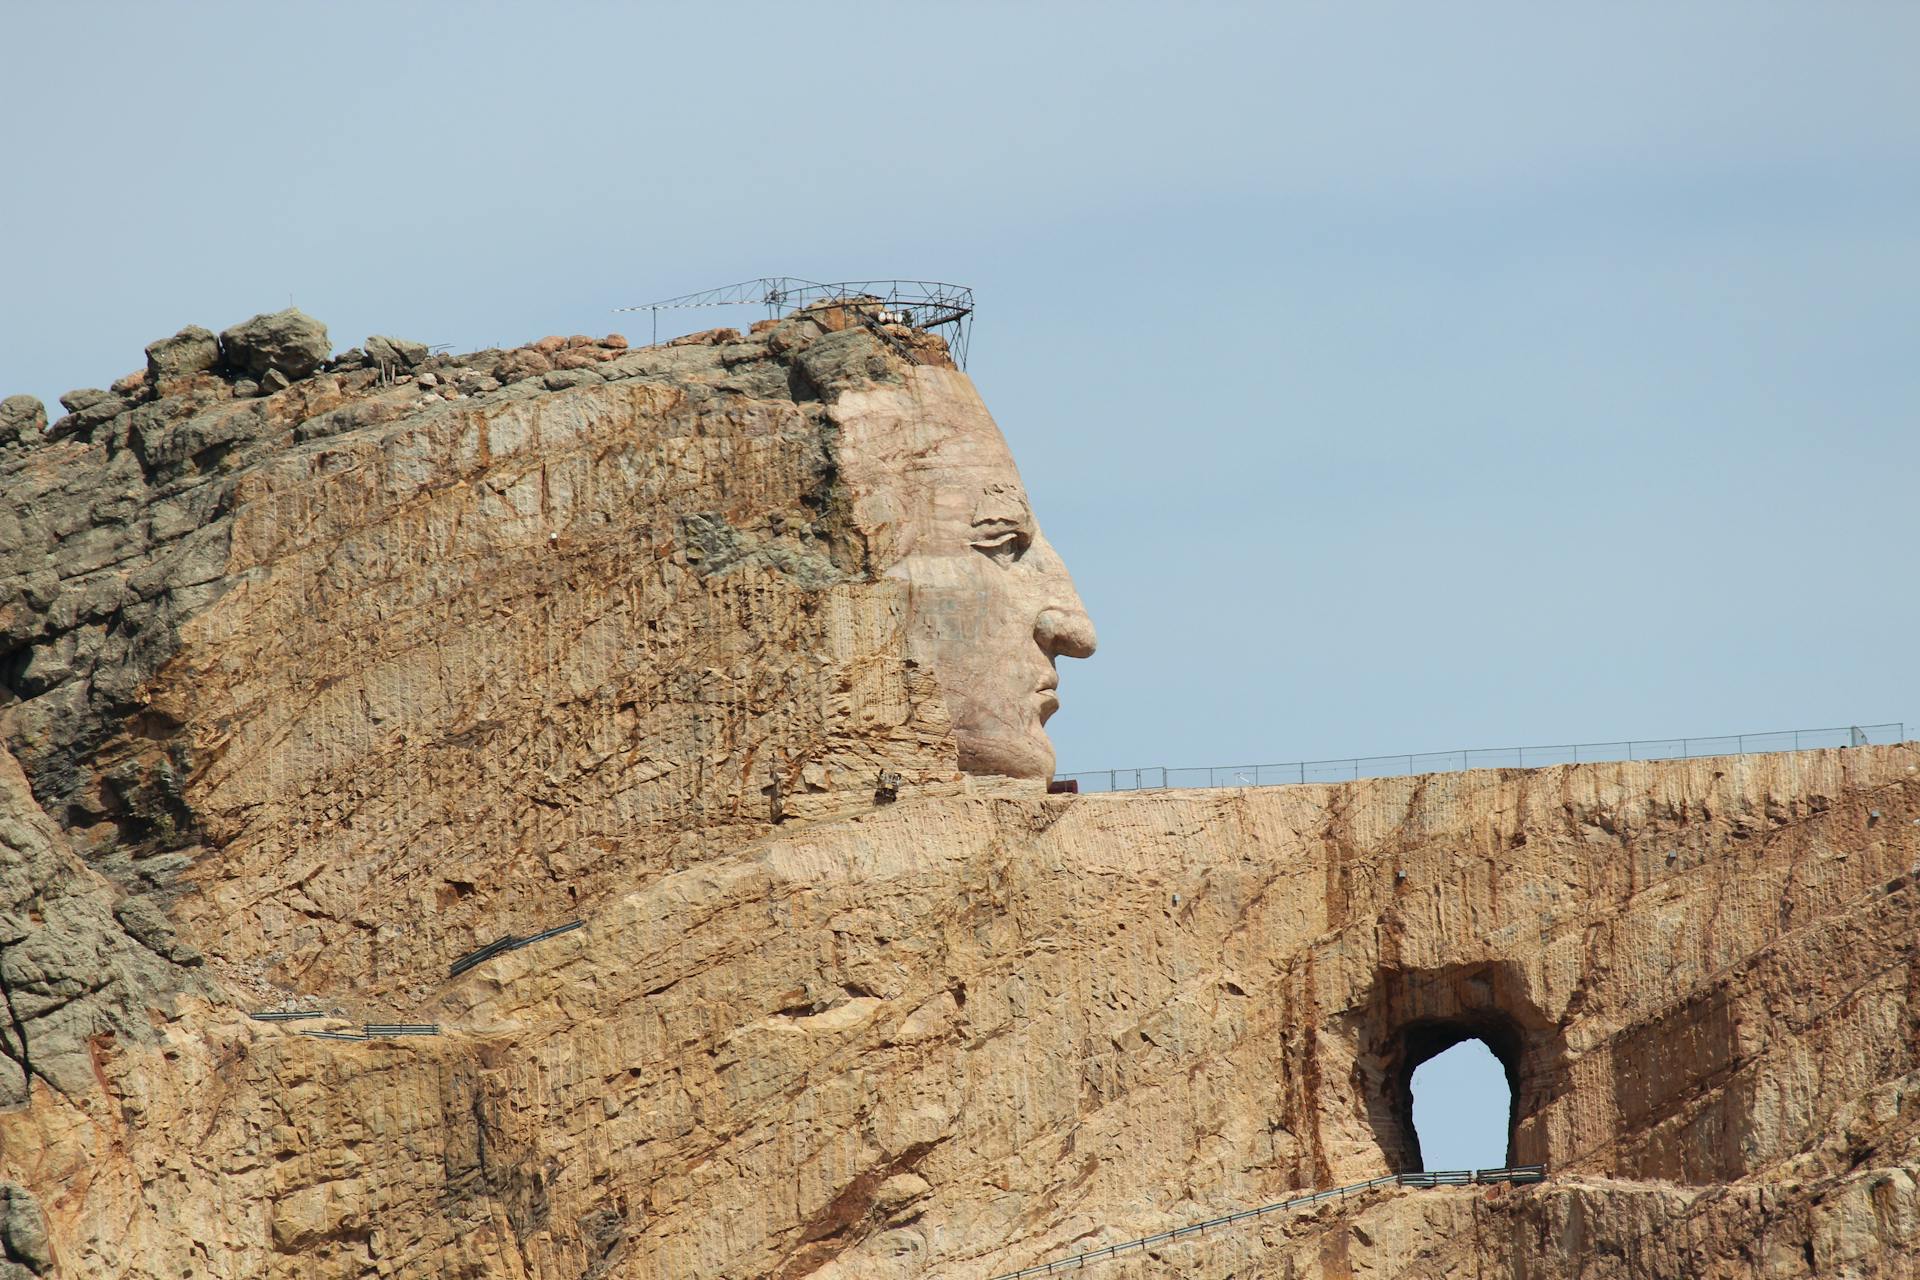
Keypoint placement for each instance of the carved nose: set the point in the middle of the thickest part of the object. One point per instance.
(1065, 631)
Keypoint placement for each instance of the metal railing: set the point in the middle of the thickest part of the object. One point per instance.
(1157, 777)
(1438, 1178)
(373, 1030)
(508, 943)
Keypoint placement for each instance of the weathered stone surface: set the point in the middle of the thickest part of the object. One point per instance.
(84, 398)
(334, 686)
(22, 420)
(69, 972)
(524, 363)
(561, 379)
(23, 1231)
(996, 999)
(289, 342)
(395, 353)
(190, 351)
(174, 558)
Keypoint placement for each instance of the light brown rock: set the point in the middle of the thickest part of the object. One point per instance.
(646, 653)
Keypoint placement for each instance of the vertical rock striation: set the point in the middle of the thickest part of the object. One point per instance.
(331, 684)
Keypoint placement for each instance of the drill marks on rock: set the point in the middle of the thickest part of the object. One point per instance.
(699, 1068)
(402, 472)
(1739, 1139)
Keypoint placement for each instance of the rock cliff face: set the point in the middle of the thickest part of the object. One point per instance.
(313, 689)
(337, 665)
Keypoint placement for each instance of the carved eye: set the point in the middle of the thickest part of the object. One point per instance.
(1004, 544)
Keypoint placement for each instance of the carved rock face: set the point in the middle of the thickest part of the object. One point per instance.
(992, 606)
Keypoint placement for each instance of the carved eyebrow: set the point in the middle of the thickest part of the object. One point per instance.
(1001, 504)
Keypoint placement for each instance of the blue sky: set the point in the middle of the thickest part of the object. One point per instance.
(1392, 378)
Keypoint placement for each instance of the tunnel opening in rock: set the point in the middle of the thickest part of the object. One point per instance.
(1413, 1015)
(1463, 1108)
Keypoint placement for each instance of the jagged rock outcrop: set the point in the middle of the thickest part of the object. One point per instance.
(22, 420)
(962, 1034)
(279, 627)
(190, 351)
(332, 685)
(81, 963)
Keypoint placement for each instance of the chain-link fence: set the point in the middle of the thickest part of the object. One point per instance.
(1153, 777)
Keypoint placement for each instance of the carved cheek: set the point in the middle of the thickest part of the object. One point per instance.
(966, 605)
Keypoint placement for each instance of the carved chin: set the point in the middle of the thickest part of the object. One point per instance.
(1006, 755)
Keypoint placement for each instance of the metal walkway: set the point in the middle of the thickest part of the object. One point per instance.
(1438, 1178)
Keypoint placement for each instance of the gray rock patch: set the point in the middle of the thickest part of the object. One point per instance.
(22, 420)
(395, 353)
(23, 1230)
(190, 351)
(290, 341)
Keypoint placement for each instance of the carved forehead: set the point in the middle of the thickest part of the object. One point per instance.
(926, 458)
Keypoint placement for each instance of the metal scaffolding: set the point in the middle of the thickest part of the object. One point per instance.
(926, 305)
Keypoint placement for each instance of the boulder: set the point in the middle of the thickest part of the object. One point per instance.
(395, 353)
(273, 380)
(83, 398)
(524, 363)
(561, 379)
(289, 341)
(22, 419)
(190, 351)
(706, 338)
(88, 409)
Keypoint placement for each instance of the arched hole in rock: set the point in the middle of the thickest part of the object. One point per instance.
(1410, 1015)
(1463, 1108)
(1486, 1102)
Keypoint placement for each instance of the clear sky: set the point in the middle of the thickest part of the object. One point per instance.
(1392, 377)
(1462, 1108)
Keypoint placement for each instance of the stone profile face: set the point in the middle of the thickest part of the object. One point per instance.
(991, 605)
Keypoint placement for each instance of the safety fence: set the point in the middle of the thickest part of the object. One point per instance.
(1157, 777)
(508, 943)
(373, 1030)
(1438, 1178)
(379, 1030)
